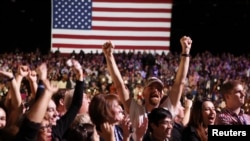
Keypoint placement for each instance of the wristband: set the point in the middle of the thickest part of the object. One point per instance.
(185, 55)
(41, 86)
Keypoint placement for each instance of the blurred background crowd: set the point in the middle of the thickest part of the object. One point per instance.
(206, 72)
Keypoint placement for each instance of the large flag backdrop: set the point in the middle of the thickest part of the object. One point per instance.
(139, 25)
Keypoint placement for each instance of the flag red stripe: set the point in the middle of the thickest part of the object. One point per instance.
(117, 47)
(108, 37)
(136, 1)
(131, 19)
(131, 28)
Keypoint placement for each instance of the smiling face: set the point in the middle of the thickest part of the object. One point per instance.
(160, 124)
(51, 114)
(45, 132)
(208, 113)
(2, 118)
(117, 111)
(114, 109)
(163, 130)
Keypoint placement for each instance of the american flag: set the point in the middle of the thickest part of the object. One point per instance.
(132, 25)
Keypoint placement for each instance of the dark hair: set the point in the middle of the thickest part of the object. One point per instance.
(97, 110)
(81, 132)
(6, 135)
(59, 95)
(227, 87)
(196, 119)
(157, 115)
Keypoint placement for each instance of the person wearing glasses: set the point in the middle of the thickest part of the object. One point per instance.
(160, 125)
(45, 132)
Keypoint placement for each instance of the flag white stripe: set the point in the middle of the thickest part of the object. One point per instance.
(131, 14)
(130, 24)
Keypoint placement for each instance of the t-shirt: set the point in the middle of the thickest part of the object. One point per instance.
(137, 112)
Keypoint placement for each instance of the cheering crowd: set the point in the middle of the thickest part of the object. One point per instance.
(121, 96)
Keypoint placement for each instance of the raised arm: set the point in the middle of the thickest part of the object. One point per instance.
(32, 78)
(13, 98)
(44, 98)
(67, 119)
(22, 72)
(187, 111)
(121, 88)
(13, 101)
(179, 82)
(32, 121)
(37, 112)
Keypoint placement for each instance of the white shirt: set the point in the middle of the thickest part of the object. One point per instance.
(138, 112)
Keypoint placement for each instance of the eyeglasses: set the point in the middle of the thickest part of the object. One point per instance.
(46, 127)
(168, 123)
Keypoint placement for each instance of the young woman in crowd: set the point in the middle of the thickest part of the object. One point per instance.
(107, 113)
(2, 117)
(202, 114)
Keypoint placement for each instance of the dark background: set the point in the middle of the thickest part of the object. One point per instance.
(214, 25)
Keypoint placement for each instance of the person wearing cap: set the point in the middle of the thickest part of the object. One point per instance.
(153, 90)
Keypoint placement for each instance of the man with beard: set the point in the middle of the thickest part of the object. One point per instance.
(153, 90)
